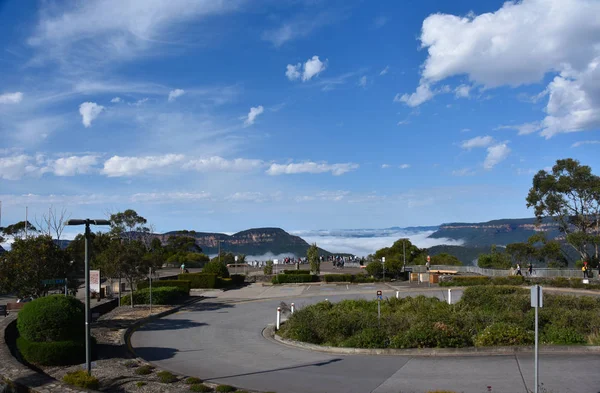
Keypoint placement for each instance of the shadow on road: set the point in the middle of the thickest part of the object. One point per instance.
(152, 354)
(207, 306)
(319, 364)
(171, 324)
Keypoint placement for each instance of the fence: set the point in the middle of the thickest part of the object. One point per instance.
(541, 272)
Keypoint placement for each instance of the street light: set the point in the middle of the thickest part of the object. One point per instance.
(87, 222)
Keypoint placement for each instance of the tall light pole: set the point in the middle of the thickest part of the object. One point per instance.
(87, 222)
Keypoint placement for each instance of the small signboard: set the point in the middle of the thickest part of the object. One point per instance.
(3, 311)
(379, 295)
(535, 300)
(408, 269)
(54, 281)
(95, 281)
(383, 259)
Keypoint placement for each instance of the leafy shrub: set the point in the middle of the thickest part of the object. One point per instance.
(339, 277)
(193, 381)
(224, 282)
(501, 333)
(166, 377)
(216, 267)
(200, 280)
(130, 364)
(52, 318)
(294, 278)
(460, 281)
(508, 280)
(225, 388)
(561, 335)
(268, 269)
(183, 284)
(363, 278)
(146, 369)
(160, 295)
(238, 280)
(375, 269)
(52, 353)
(287, 271)
(81, 379)
(201, 388)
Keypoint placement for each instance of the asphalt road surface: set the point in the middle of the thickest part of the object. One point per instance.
(220, 340)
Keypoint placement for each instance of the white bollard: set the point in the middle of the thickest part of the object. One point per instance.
(449, 296)
(278, 317)
(292, 308)
(397, 294)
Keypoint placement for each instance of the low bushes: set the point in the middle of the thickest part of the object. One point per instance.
(296, 272)
(485, 316)
(52, 353)
(81, 379)
(459, 281)
(294, 278)
(559, 282)
(225, 388)
(339, 277)
(201, 388)
(183, 284)
(166, 377)
(238, 280)
(144, 370)
(200, 280)
(160, 295)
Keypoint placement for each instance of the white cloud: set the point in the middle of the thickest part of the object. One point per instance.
(173, 94)
(385, 166)
(404, 166)
(89, 111)
(403, 122)
(248, 196)
(70, 166)
(253, 114)
(478, 141)
(140, 102)
(15, 167)
(299, 27)
(117, 166)
(384, 71)
(581, 143)
(519, 44)
(422, 94)
(310, 68)
(463, 172)
(116, 100)
(465, 130)
(462, 91)
(212, 164)
(363, 81)
(11, 98)
(523, 129)
(166, 197)
(495, 155)
(310, 167)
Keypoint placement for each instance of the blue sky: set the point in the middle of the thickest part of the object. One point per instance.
(224, 115)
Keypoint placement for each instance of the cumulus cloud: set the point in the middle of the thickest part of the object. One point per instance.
(306, 71)
(217, 163)
(519, 44)
(117, 166)
(15, 167)
(253, 114)
(462, 91)
(11, 98)
(478, 141)
(70, 166)
(311, 167)
(495, 155)
(116, 100)
(89, 111)
(173, 94)
(422, 94)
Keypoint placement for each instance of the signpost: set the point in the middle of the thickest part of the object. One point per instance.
(536, 301)
(383, 264)
(379, 298)
(56, 281)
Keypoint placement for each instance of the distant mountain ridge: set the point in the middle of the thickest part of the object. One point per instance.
(255, 241)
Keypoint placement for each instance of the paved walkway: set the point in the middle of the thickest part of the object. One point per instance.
(220, 340)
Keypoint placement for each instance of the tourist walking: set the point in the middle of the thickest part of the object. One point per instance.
(519, 270)
(584, 269)
(530, 270)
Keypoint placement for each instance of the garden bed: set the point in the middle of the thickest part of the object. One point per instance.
(485, 316)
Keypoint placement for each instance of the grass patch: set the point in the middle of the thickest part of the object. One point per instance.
(193, 381)
(139, 384)
(225, 388)
(486, 315)
(166, 377)
(81, 379)
(201, 388)
(144, 370)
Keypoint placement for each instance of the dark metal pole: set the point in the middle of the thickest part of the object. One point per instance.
(150, 278)
(88, 352)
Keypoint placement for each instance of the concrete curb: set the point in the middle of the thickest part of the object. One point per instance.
(126, 335)
(269, 333)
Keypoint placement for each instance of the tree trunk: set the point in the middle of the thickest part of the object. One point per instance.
(119, 290)
(131, 291)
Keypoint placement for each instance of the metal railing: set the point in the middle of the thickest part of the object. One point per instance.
(537, 272)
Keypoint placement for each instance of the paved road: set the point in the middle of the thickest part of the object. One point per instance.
(220, 340)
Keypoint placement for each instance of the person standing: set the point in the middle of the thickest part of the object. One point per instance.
(584, 269)
(427, 265)
(183, 268)
(519, 270)
(530, 270)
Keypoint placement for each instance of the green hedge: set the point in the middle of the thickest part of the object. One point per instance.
(52, 318)
(183, 284)
(56, 353)
(296, 272)
(346, 277)
(466, 281)
(238, 280)
(80, 378)
(160, 295)
(200, 280)
(294, 278)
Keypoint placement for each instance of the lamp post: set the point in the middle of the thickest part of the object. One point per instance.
(87, 222)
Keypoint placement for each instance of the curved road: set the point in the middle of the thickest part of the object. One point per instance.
(220, 340)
